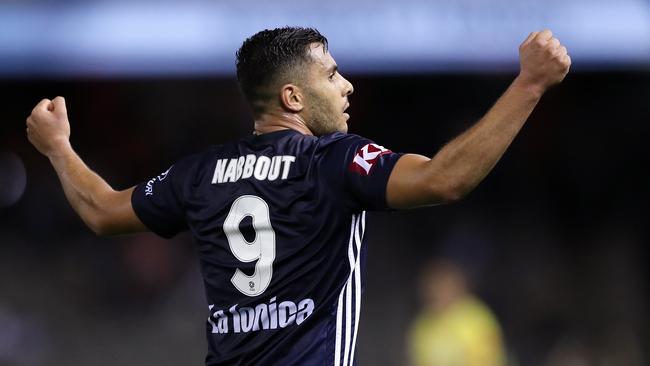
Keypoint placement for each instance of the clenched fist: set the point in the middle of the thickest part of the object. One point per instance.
(48, 128)
(543, 59)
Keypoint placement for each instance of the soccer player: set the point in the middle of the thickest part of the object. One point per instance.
(279, 216)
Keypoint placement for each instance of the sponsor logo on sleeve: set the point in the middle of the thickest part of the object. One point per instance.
(366, 157)
(148, 190)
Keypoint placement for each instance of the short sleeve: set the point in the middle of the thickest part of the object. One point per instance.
(366, 168)
(158, 202)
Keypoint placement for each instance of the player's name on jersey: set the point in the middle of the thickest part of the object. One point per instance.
(261, 317)
(252, 166)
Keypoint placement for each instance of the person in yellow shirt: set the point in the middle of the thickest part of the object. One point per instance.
(454, 328)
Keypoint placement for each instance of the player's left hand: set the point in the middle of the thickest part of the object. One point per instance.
(544, 60)
(48, 128)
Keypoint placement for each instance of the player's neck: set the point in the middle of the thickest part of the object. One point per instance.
(271, 122)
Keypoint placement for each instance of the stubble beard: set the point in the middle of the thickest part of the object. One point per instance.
(323, 118)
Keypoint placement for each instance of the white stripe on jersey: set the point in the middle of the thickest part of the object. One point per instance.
(339, 330)
(348, 298)
(346, 328)
(339, 311)
(357, 280)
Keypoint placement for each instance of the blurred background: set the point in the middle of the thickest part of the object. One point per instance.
(551, 248)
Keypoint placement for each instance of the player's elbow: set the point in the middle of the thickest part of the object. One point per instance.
(422, 194)
(108, 214)
(101, 220)
(446, 193)
(444, 185)
(99, 226)
(99, 231)
(452, 196)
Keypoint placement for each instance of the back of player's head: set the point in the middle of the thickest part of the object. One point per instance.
(271, 58)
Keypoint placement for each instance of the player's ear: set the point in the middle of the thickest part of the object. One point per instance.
(291, 98)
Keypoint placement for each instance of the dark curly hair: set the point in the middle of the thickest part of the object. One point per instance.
(270, 57)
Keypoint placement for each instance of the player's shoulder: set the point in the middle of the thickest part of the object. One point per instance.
(341, 140)
(191, 166)
(198, 157)
(340, 145)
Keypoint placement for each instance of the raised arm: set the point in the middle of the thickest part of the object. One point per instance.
(103, 209)
(463, 163)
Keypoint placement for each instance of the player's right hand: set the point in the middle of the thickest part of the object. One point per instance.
(543, 59)
(48, 128)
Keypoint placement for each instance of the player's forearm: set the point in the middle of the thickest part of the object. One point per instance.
(467, 159)
(87, 192)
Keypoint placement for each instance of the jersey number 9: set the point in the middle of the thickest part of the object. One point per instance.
(261, 249)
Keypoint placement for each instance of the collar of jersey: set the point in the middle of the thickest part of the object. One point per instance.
(265, 137)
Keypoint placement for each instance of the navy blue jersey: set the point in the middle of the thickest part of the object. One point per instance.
(279, 222)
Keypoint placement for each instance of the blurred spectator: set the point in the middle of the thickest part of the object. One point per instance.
(454, 328)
